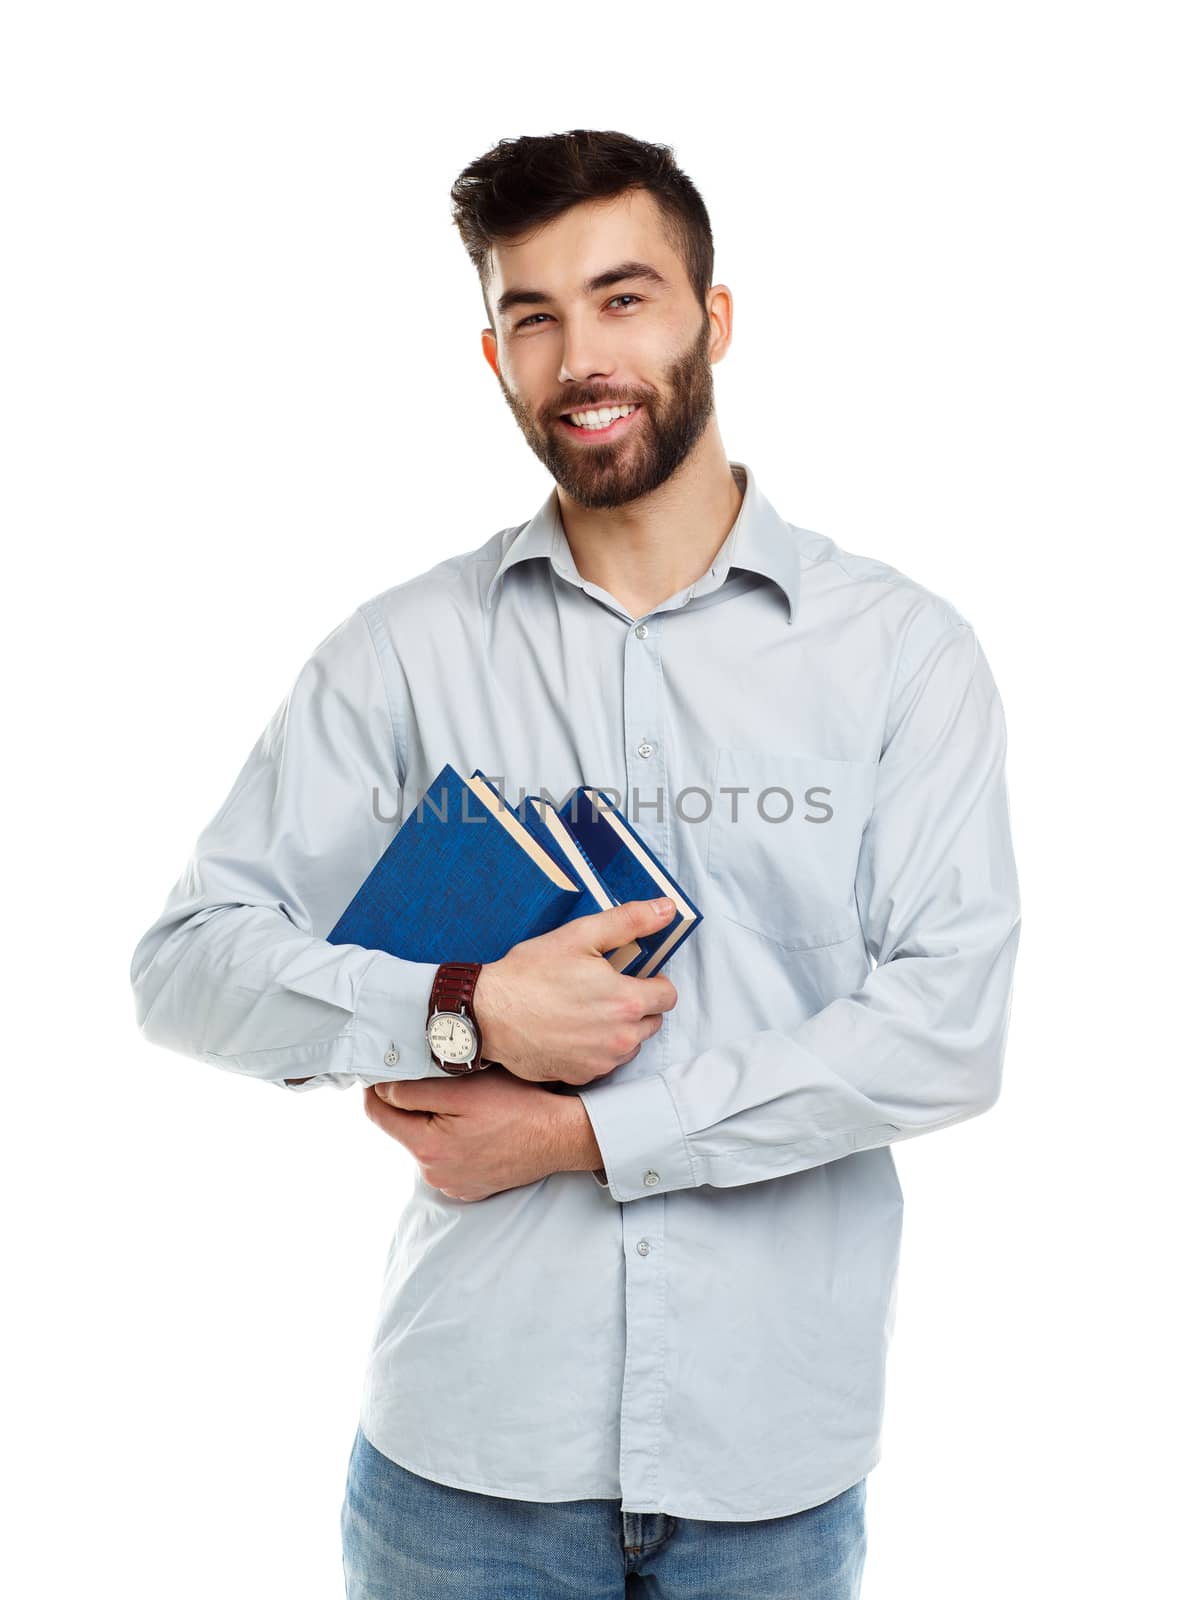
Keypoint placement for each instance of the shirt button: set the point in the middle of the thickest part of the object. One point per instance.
(641, 630)
(642, 1247)
(650, 1178)
(391, 1056)
(644, 749)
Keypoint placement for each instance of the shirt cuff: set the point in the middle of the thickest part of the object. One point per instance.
(387, 1041)
(390, 1014)
(639, 1135)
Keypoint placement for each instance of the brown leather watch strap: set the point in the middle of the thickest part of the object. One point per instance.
(454, 982)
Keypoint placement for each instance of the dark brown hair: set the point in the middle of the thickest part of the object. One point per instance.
(522, 183)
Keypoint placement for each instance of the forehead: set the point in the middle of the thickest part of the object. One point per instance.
(558, 257)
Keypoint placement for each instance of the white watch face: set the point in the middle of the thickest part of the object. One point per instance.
(452, 1037)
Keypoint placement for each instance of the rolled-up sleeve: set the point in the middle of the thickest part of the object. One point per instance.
(236, 970)
(919, 1045)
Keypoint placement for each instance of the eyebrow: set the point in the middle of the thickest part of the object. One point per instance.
(642, 270)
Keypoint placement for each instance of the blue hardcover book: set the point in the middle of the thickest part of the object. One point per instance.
(463, 879)
(606, 854)
(629, 869)
(541, 820)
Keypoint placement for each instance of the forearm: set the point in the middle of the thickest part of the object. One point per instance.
(913, 1050)
(234, 971)
(918, 1044)
(246, 990)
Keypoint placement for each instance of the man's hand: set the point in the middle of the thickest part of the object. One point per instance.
(553, 1009)
(474, 1136)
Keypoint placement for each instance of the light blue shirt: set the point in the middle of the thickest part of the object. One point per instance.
(814, 745)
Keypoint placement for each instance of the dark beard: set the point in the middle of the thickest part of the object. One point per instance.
(602, 476)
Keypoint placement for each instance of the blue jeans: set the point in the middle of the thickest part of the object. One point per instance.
(405, 1537)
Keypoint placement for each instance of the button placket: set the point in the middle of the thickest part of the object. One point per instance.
(643, 1220)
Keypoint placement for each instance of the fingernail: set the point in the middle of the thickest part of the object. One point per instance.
(663, 907)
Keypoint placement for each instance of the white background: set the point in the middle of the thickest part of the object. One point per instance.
(243, 390)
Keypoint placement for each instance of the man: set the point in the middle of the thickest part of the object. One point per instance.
(636, 1311)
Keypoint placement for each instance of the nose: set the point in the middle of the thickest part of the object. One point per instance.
(580, 366)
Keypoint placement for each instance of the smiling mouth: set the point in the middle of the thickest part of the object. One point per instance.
(616, 425)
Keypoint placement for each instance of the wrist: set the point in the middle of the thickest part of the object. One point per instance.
(452, 1027)
(488, 1013)
(575, 1147)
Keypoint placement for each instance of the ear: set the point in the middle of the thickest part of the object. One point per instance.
(719, 316)
(490, 349)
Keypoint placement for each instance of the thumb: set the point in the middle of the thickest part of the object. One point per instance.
(607, 930)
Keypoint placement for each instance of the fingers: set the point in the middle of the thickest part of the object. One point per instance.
(653, 994)
(662, 993)
(403, 1126)
(647, 1028)
(607, 930)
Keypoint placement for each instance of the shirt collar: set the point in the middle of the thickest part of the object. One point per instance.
(759, 540)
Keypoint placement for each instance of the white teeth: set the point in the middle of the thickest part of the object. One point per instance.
(599, 419)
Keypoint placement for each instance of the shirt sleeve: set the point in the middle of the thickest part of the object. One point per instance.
(236, 970)
(919, 1044)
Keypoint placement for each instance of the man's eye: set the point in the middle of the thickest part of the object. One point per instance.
(527, 321)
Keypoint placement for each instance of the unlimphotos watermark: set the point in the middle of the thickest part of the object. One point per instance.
(693, 804)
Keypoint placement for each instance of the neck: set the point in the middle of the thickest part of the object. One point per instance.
(646, 551)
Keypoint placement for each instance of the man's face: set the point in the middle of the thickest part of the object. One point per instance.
(572, 346)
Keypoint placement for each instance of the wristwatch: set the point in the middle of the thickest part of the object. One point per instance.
(452, 1030)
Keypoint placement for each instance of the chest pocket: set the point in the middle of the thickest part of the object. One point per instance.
(785, 866)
